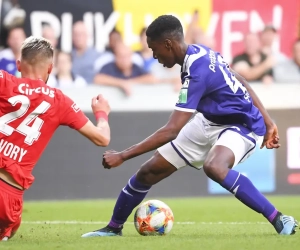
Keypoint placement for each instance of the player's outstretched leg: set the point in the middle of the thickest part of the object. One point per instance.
(153, 171)
(217, 167)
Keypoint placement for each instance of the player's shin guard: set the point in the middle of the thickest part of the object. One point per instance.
(246, 192)
(129, 198)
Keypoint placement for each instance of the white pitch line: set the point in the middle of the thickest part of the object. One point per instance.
(75, 222)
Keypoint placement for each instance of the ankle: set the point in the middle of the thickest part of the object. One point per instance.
(115, 225)
(275, 218)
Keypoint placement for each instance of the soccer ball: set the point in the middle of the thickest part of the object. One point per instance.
(154, 218)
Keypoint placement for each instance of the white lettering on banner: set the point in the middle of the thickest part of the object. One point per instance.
(64, 28)
(293, 147)
(88, 19)
(104, 28)
(37, 18)
(99, 29)
(129, 36)
(66, 32)
(213, 23)
(230, 36)
(12, 151)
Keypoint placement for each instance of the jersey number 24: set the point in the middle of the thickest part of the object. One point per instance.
(31, 133)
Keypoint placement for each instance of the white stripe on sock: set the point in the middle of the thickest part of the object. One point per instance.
(134, 189)
(235, 181)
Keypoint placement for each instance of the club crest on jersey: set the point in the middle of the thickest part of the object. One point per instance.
(75, 107)
(182, 96)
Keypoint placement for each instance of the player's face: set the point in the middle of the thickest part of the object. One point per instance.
(162, 51)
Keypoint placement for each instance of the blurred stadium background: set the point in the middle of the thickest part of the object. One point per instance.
(100, 48)
(96, 39)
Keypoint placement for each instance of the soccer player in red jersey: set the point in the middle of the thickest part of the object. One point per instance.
(30, 112)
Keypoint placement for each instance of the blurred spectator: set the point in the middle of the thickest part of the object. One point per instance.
(195, 35)
(49, 33)
(113, 38)
(109, 57)
(145, 52)
(123, 72)
(12, 14)
(253, 64)
(289, 70)
(269, 39)
(8, 56)
(64, 77)
(83, 57)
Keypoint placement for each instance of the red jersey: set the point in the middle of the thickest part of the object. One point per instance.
(30, 112)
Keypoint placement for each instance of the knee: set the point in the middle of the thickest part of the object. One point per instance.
(215, 170)
(144, 176)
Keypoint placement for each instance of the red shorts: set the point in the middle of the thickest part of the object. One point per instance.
(11, 204)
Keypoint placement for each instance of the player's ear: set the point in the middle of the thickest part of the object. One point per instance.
(168, 44)
(50, 68)
(18, 63)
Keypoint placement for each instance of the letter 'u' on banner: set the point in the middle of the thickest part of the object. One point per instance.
(136, 14)
(293, 147)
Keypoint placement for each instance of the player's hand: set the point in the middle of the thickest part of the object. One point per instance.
(112, 159)
(271, 139)
(100, 104)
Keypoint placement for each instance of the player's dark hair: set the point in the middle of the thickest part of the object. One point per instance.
(165, 26)
(36, 49)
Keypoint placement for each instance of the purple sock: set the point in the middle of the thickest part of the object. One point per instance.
(129, 198)
(246, 192)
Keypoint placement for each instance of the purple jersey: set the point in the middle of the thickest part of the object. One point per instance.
(210, 88)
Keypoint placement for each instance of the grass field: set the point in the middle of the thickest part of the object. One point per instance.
(201, 223)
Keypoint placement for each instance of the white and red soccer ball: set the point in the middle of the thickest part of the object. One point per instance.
(154, 218)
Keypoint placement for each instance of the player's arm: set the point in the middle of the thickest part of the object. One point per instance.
(190, 95)
(272, 138)
(73, 117)
(100, 134)
(162, 136)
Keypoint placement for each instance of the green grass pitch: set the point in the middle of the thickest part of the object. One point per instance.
(200, 223)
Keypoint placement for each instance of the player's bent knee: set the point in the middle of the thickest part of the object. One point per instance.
(215, 170)
(210, 168)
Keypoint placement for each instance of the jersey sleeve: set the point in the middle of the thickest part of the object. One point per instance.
(2, 80)
(70, 114)
(190, 94)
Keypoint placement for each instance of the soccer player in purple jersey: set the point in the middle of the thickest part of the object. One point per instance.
(229, 122)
